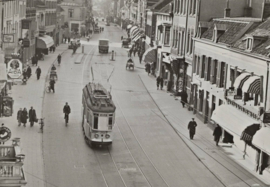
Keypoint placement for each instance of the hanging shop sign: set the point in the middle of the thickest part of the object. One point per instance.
(7, 106)
(8, 38)
(5, 134)
(14, 68)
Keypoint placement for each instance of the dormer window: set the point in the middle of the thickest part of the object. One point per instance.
(249, 44)
(203, 26)
(219, 29)
(253, 41)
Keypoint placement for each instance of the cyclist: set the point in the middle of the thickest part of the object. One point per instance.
(52, 83)
(66, 111)
(59, 59)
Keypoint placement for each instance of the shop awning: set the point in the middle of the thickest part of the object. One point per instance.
(129, 26)
(3, 72)
(240, 80)
(44, 42)
(231, 119)
(132, 29)
(262, 139)
(252, 85)
(150, 55)
(137, 36)
(135, 32)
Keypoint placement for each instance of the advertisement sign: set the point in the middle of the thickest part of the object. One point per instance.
(7, 106)
(5, 134)
(8, 38)
(14, 68)
(266, 117)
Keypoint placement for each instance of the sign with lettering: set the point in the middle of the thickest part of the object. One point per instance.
(5, 134)
(8, 38)
(14, 68)
(7, 106)
(237, 97)
(266, 117)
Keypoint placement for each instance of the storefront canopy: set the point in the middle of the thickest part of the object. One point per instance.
(135, 32)
(240, 80)
(45, 42)
(137, 36)
(252, 85)
(150, 55)
(262, 139)
(231, 119)
(132, 29)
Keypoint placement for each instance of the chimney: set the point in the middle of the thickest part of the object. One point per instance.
(227, 10)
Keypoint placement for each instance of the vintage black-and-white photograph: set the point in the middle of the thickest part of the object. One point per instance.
(134, 93)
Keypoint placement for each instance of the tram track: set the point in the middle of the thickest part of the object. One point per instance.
(181, 135)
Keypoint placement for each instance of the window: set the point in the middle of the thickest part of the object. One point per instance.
(220, 102)
(180, 7)
(70, 13)
(110, 123)
(194, 7)
(176, 39)
(198, 65)
(188, 42)
(208, 69)
(215, 68)
(95, 121)
(194, 63)
(201, 96)
(180, 43)
(167, 36)
(249, 44)
(191, 44)
(203, 66)
(190, 7)
(222, 74)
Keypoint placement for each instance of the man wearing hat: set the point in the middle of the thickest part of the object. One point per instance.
(192, 128)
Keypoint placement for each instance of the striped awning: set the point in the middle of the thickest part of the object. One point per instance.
(129, 26)
(150, 55)
(252, 85)
(132, 29)
(135, 33)
(240, 80)
(138, 37)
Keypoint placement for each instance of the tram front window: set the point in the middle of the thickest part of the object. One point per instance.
(100, 122)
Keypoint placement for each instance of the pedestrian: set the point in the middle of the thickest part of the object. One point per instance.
(24, 116)
(66, 111)
(68, 39)
(53, 48)
(36, 58)
(192, 128)
(59, 57)
(29, 72)
(38, 72)
(34, 61)
(50, 49)
(161, 83)
(52, 83)
(25, 77)
(158, 82)
(184, 97)
(32, 116)
(140, 58)
(121, 37)
(217, 134)
(147, 68)
(134, 51)
(19, 117)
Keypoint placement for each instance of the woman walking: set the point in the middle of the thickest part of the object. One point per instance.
(24, 116)
(217, 134)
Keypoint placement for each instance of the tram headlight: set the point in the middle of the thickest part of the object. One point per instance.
(107, 136)
(96, 135)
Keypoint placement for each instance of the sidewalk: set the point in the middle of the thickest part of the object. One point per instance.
(218, 159)
(31, 140)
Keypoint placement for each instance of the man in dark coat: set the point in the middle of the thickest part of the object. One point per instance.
(217, 134)
(38, 72)
(184, 97)
(66, 111)
(140, 57)
(24, 116)
(32, 116)
(192, 128)
(161, 83)
(147, 68)
(158, 82)
(19, 116)
(29, 72)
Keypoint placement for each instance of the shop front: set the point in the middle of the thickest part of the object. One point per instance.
(43, 44)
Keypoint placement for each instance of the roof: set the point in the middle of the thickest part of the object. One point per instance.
(234, 29)
(260, 31)
(59, 9)
(98, 99)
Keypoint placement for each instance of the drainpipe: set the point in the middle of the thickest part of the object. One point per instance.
(267, 77)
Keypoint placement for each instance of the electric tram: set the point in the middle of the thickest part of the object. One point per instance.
(98, 115)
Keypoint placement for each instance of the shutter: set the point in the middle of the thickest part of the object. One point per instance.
(225, 75)
(205, 68)
(218, 74)
(212, 71)
(200, 68)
